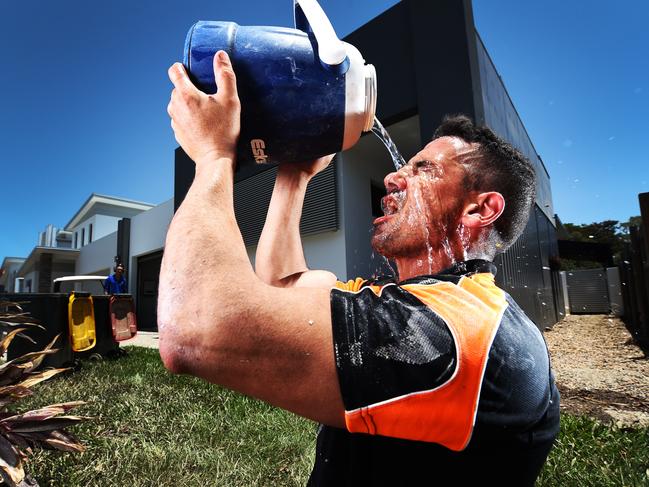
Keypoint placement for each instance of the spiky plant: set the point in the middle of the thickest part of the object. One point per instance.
(40, 428)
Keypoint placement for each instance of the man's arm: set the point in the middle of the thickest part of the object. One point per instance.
(217, 319)
(280, 257)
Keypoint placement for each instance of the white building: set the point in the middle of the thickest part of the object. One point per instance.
(9, 274)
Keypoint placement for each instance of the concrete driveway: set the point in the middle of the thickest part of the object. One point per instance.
(148, 339)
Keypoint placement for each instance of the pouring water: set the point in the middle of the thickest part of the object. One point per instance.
(379, 130)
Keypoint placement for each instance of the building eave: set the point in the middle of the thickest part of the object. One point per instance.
(95, 198)
(37, 251)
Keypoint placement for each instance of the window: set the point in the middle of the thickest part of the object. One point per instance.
(90, 233)
(76, 240)
(83, 236)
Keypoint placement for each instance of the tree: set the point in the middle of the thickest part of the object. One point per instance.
(609, 232)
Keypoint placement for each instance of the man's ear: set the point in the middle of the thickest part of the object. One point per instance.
(483, 210)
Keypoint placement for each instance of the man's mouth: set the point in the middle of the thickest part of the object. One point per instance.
(391, 204)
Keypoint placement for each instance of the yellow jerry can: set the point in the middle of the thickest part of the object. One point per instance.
(81, 321)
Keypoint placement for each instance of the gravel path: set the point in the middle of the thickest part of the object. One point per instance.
(600, 371)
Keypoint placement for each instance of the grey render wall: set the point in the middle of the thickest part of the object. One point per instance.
(324, 251)
(524, 271)
(97, 257)
(323, 244)
(148, 233)
(8, 279)
(61, 269)
(31, 277)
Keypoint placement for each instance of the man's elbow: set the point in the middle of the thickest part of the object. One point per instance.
(170, 345)
(170, 357)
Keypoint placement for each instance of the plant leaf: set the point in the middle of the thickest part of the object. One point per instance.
(35, 415)
(62, 440)
(47, 350)
(9, 394)
(18, 440)
(13, 373)
(9, 453)
(11, 475)
(28, 357)
(44, 425)
(34, 379)
(6, 341)
(67, 405)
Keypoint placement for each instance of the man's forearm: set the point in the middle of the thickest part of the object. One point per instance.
(279, 252)
(205, 265)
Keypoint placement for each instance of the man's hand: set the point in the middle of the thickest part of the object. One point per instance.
(206, 126)
(308, 169)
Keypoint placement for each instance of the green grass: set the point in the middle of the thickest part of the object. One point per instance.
(155, 429)
(588, 453)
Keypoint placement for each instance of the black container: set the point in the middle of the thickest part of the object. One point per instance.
(50, 311)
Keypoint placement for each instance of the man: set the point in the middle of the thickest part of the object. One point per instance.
(437, 376)
(116, 283)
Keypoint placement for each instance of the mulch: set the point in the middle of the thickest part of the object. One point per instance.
(599, 369)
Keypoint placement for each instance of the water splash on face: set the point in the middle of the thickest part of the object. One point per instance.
(426, 269)
(379, 130)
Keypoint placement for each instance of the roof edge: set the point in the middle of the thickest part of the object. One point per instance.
(94, 197)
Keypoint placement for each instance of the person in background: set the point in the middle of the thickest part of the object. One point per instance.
(116, 283)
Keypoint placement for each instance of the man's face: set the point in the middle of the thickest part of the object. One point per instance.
(119, 271)
(425, 200)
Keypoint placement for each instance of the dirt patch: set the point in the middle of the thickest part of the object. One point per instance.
(600, 372)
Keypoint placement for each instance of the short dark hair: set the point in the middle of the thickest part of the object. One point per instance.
(118, 266)
(501, 168)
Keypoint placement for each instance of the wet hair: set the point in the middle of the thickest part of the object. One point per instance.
(501, 168)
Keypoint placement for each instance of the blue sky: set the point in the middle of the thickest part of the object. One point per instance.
(84, 94)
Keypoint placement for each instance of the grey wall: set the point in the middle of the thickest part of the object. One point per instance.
(423, 52)
(524, 271)
(324, 251)
(8, 279)
(97, 256)
(148, 234)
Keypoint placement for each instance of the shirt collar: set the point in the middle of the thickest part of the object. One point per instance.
(473, 266)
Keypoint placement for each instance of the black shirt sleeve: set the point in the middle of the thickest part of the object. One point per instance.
(388, 345)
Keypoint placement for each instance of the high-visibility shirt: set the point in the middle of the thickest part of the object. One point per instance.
(440, 371)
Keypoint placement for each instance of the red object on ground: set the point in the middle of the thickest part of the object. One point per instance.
(122, 317)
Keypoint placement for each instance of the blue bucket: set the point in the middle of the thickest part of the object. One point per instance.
(304, 93)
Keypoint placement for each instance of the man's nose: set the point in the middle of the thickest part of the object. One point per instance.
(395, 181)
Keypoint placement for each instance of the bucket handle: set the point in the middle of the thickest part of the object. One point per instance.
(310, 18)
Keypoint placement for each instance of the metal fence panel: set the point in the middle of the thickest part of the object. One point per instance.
(588, 291)
(615, 291)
